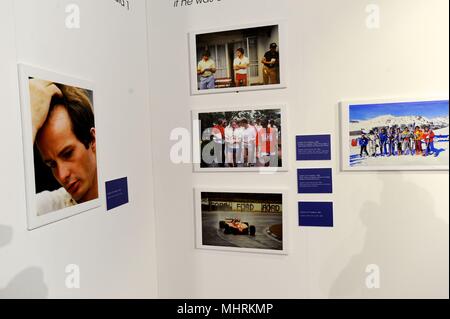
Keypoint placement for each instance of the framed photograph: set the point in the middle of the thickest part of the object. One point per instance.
(395, 135)
(245, 139)
(60, 145)
(242, 221)
(240, 58)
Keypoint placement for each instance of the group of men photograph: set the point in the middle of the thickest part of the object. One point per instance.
(242, 143)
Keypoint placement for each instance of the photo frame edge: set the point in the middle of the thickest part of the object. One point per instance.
(286, 164)
(346, 103)
(25, 71)
(284, 191)
(281, 23)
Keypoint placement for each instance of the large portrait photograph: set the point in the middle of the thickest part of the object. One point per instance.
(237, 59)
(395, 135)
(60, 146)
(240, 139)
(241, 221)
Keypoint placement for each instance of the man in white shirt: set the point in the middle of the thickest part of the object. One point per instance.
(206, 69)
(241, 65)
(233, 140)
(64, 132)
(249, 143)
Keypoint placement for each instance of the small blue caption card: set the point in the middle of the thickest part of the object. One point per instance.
(315, 181)
(314, 148)
(315, 214)
(116, 193)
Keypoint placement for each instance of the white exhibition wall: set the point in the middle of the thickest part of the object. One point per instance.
(396, 220)
(115, 250)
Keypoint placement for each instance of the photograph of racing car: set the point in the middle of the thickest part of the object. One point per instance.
(248, 222)
(236, 227)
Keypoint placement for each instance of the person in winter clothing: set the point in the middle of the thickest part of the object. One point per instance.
(429, 141)
(391, 141)
(398, 140)
(383, 141)
(372, 144)
(418, 136)
(363, 142)
(376, 141)
(412, 139)
(406, 138)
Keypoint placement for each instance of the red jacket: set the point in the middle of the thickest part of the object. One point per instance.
(430, 136)
(221, 129)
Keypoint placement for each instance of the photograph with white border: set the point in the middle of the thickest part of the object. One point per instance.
(60, 145)
(241, 139)
(250, 221)
(400, 134)
(240, 58)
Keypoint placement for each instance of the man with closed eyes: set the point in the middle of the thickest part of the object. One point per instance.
(64, 132)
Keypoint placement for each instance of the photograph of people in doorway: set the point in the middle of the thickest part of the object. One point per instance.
(245, 59)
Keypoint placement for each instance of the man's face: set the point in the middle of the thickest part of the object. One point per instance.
(205, 58)
(73, 166)
(238, 54)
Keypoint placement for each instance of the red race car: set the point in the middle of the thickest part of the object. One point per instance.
(234, 226)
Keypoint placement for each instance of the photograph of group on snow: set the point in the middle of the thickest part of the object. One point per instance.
(397, 135)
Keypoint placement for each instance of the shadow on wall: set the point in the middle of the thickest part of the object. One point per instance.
(29, 284)
(405, 241)
(5, 235)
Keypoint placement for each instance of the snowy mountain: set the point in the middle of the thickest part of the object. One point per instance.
(399, 121)
(441, 121)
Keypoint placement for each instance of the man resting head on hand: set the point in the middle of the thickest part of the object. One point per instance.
(64, 133)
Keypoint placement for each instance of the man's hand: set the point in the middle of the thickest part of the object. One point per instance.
(41, 94)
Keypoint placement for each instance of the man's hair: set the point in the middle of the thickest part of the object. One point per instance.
(264, 122)
(206, 53)
(241, 50)
(79, 107)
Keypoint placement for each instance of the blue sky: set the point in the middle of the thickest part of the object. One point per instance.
(430, 110)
